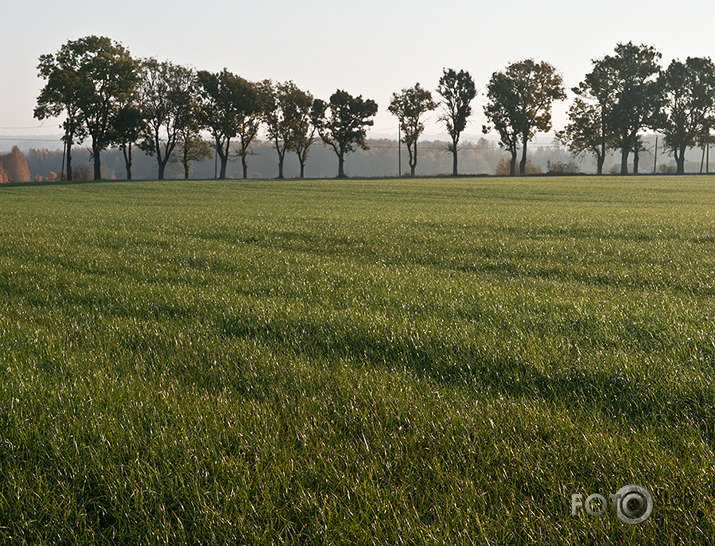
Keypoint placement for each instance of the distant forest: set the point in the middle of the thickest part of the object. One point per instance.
(476, 158)
(380, 159)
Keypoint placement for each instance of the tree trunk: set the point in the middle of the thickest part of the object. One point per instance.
(455, 166)
(680, 160)
(601, 158)
(636, 159)
(512, 163)
(522, 164)
(127, 152)
(69, 160)
(186, 162)
(281, 158)
(97, 162)
(624, 159)
(64, 157)
(341, 165)
(302, 158)
(162, 168)
(223, 156)
(161, 160)
(245, 166)
(413, 159)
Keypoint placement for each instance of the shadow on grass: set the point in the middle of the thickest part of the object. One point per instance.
(611, 393)
(56, 183)
(478, 260)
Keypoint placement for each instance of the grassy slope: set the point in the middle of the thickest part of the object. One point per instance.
(427, 361)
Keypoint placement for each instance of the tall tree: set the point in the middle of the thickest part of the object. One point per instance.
(248, 125)
(166, 95)
(61, 94)
(408, 107)
(589, 129)
(632, 72)
(689, 98)
(191, 146)
(302, 133)
(274, 118)
(585, 132)
(457, 90)
(225, 101)
(500, 111)
(342, 123)
(520, 101)
(285, 108)
(127, 127)
(108, 78)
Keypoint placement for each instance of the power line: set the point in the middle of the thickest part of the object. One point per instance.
(22, 128)
(466, 146)
(15, 139)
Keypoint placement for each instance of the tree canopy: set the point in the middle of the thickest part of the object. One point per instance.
(167, 95)
(631, 77)
(225, 100)
(588, 130)
(61, 95)
(342, 123)
(689, 105)
(108, 78)
(519, 103)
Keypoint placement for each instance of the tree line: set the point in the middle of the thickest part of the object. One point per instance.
(113, 99)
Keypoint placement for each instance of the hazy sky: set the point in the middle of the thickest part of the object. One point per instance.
(367, 47)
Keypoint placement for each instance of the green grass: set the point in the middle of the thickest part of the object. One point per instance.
(434, 361)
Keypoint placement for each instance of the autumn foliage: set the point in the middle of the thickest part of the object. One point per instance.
(503, 169)
(13, 167)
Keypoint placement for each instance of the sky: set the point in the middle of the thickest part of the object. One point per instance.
(371, 48)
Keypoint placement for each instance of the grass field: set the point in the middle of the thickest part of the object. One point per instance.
(429, 361)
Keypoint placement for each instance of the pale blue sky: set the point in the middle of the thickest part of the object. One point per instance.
(366, 47)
